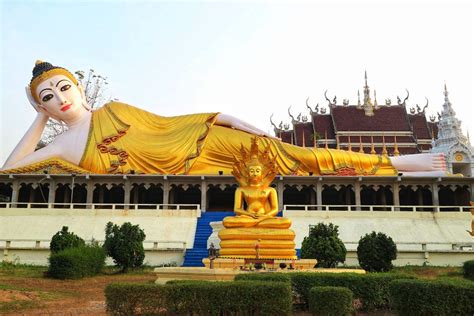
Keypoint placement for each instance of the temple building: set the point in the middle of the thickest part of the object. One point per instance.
(451, 141)
(367, 126)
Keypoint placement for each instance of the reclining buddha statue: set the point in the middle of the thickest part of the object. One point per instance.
(120, 138)
(256, 230)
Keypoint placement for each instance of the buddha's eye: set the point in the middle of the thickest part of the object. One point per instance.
(65, 87)
(47, 97)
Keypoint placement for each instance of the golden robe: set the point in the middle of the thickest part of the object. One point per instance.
(124, 138)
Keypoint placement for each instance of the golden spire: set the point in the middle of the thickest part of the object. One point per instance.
(361, 148)
(372, 147)
(326, 137)
(384, 148)
(350, 145)
(396, 152)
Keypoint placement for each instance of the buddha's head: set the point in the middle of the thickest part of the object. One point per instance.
(57, 92)
(255, 167)
(255, 172)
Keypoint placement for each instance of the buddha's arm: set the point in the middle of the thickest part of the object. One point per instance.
(50, 151)
(230, 121)
(273, 199)
(239, 204)
(26, 146)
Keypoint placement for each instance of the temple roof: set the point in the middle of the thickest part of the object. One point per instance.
(386, 118)
(420, 126)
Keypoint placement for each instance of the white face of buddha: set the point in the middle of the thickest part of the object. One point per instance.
(60, 98)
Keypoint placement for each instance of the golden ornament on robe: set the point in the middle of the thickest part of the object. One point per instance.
(256, 227)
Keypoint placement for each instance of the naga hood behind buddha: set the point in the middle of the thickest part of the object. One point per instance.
(125, 139)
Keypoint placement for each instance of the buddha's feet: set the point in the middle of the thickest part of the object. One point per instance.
(246, 222)
(420, 164)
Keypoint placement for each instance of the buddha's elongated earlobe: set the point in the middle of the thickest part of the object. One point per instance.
(84, 100)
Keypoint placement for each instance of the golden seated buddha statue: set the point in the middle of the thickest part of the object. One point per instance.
(256, 227)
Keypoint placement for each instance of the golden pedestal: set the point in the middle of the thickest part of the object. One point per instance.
(270, 243)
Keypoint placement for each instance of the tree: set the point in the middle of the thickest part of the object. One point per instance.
(323, 244)
(125, 245)
(63, 239)
(95, 87)
(376, 252)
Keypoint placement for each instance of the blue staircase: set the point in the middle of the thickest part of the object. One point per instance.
(193, 257)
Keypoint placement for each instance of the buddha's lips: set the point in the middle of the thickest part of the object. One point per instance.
(66, 107)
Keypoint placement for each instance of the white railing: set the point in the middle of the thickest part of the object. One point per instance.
(424, 246)
(380, 208)
(100, 206)
(42, 244)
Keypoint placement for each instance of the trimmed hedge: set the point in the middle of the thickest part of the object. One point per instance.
(76, 263)
(201, 298)
(330, 300)
(271, 276)
(371, 289)
(468, 269)
(440, 297)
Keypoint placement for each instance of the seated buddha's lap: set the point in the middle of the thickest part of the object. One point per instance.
(247, 221)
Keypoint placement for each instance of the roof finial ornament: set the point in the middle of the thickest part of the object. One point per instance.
(331, 103)
(468, 138)
(384, 148)
(361, 148)
(375, 98)
(358, 99)
(291, 116)
(446, 93)
(372, 147)
(396, 152)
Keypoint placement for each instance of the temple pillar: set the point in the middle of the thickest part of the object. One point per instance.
(280, 188)
(203, 194)
(319, 193)
(435, 196)
(472, 191)
(126, 188)
(396, 196)
(52, 193)
(15, 191)
(357, 194)
(90, 193)
(166, 190)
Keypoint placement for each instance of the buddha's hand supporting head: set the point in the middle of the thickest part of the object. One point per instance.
(55, 92)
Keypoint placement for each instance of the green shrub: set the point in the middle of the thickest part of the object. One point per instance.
(272, 277)
(330, 300)
(425, 297)
(200, 298)
(370, 289)
(323, 244)
(468, 269)
(76, 263)
(64, 239)
(376, 252)
(125, 245)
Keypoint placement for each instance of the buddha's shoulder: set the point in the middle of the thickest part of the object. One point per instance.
(115, 107)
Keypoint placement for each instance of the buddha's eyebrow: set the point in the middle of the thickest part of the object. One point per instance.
(61, 81)
(45, 90)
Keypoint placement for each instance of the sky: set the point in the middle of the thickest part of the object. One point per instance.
(247, 59)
